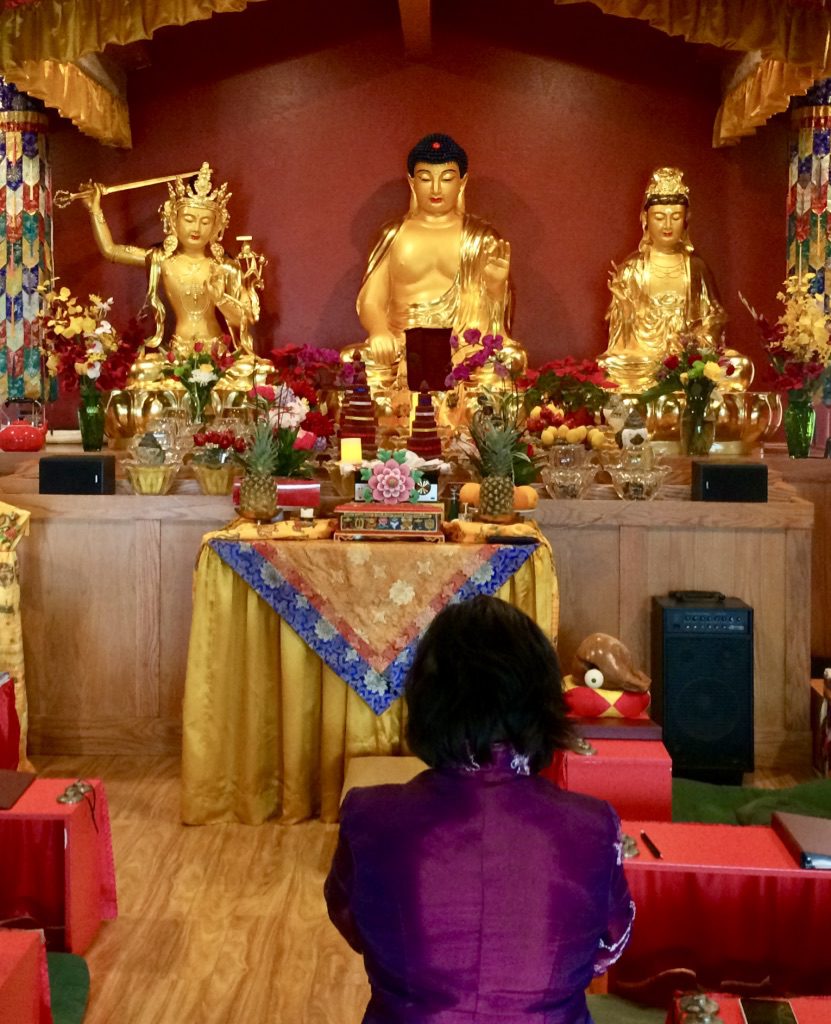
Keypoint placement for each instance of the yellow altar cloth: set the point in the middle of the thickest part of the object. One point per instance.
(14, 524)
(268, 726)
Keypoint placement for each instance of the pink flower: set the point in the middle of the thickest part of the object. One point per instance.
(390, 482)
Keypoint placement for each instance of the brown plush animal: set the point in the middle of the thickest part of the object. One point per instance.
(603, 661)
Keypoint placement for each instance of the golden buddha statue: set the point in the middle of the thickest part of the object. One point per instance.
(661, 292)
(197, 276)
(435, 267)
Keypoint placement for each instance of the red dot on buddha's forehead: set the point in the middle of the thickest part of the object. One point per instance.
(436, 145)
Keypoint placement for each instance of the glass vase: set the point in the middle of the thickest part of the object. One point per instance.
(697, 425)
(91, 419)
(799, 419)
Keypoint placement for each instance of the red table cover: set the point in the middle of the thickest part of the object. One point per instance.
(56, 862)
(728, 904)
(24, 979)
(807, 1009)
(635, 776)
(9, 725)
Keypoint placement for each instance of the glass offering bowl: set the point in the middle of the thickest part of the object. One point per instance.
(563, 455)
(568, 481)
(637, 482)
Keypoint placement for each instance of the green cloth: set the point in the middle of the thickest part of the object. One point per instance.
(745, 805)
(69, 987)
(614, 1010)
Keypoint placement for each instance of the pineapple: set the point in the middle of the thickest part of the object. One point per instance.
(258, 492)
(495, 443)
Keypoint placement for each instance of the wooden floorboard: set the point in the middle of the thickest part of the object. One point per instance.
(221, 924)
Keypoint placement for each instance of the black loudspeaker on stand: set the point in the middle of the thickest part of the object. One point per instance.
(702, 684)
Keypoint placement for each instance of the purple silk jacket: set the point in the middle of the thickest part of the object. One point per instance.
(479, 897)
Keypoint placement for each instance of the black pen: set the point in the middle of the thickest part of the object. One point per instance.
(653, 849)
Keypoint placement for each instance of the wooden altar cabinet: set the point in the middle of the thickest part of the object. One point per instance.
(106, 598)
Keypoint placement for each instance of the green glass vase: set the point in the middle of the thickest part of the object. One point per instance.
(91, 419)
(799, 419)
(697, 424)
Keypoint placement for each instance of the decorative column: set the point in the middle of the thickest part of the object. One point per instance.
(25, 239)
(809, 228)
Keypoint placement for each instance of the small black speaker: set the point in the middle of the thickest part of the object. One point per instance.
(728, 481)
(77, 474)
(702, 685)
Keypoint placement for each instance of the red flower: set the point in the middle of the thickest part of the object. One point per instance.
(671, 362)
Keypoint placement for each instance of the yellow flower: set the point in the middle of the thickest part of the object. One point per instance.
(64, 294)
(714, 372)
(52, 363)
(96, 299)
(684, 378)
(80, 369)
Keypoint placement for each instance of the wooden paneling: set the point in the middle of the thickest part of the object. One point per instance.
(107, 600)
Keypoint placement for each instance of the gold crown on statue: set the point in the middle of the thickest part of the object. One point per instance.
(666, 186)
(199, 193)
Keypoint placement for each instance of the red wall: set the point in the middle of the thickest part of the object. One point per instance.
(309, 115)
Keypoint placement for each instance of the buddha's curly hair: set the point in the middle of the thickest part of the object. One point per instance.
(437, 149)
(485, 673)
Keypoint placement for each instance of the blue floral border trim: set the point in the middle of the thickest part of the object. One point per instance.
(378, 689)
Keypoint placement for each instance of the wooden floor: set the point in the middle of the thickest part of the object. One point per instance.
(222, 924)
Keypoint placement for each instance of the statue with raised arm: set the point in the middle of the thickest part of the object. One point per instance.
(437, 266)
(660, 292)
(192, 270)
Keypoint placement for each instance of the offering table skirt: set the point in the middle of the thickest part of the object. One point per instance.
(268, 726)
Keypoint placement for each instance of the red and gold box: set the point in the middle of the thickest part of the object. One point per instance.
(370, 521)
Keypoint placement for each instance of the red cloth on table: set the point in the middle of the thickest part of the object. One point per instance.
(9, 726)
(807, 1009)
(635, 776)
(54, 866)
(727, 902)
(24, 979)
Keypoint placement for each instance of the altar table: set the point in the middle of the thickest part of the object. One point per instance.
(269, 723)
(728, 903)
(635, 776)
(56, 862)
(24, 979)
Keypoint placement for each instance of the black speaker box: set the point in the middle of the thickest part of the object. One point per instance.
(77, 474)
(729, 481)
(702, 686)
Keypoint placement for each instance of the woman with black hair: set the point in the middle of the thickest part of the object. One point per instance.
(480, 893)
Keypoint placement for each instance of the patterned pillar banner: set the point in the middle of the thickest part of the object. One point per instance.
(25, 239)
(809, 246)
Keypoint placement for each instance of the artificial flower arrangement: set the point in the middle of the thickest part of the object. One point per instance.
(563, 400)
(82, 349)
(483, 348)
(285, 413)
(695, 370)
(797, 344)
(199, 373)
(310, 373)
(391, 479)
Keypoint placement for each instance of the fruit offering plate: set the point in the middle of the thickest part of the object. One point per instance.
(371, 521)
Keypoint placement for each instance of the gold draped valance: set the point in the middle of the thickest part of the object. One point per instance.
(90, 106)
(796, 32)
(766, 91)
(791, 37)
(40, 41)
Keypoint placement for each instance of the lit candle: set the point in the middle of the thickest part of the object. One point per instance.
(350, 450)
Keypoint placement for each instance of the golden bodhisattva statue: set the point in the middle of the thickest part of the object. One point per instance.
(199, 279)
(435, 267)
(660, 292)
